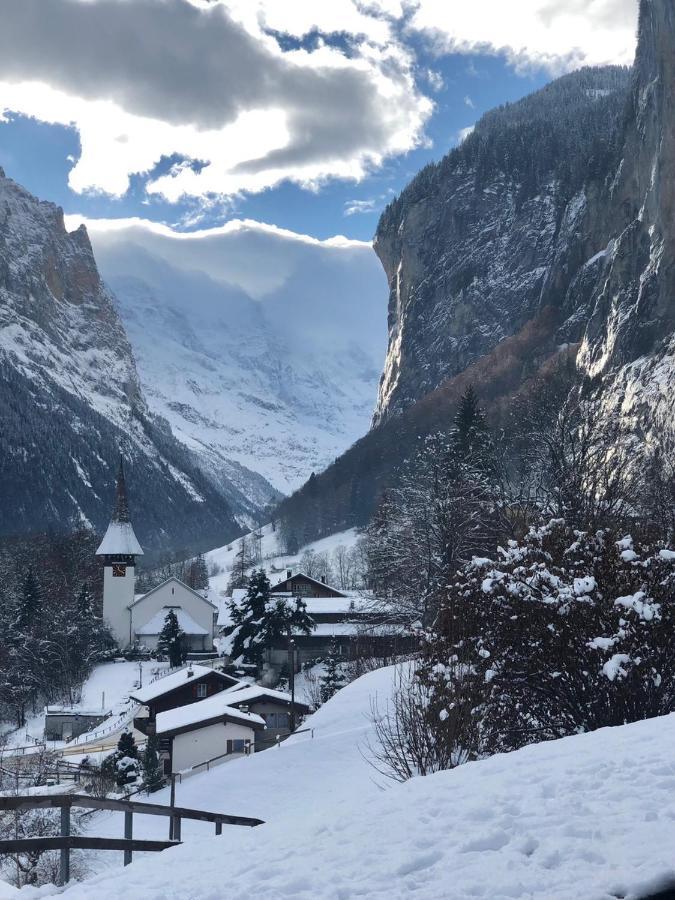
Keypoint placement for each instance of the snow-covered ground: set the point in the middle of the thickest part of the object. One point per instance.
(274, 560)
(590, 816)
(107, 688)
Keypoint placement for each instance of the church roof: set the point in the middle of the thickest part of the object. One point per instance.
(119, 537)
(172, 579)
(185, 622)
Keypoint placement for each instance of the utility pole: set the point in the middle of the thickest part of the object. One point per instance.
(291, 667)
(140, 673)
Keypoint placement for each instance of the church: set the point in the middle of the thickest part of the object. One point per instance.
(138, 619)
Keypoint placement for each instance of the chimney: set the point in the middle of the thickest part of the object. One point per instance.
(243, 708)
(289, 572)
(190, 672)
(323, 579)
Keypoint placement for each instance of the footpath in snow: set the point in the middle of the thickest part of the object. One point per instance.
(590, 816)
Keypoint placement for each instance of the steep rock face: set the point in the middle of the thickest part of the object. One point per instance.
(70, 396)
(479, 243)
(629, 345)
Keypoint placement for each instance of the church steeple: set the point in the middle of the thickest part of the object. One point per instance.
(120, 540)
(121, 507)
(119, 549)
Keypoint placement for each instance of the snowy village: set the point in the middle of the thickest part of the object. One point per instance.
(337, 449)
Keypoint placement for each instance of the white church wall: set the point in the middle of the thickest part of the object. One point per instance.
(172, 593)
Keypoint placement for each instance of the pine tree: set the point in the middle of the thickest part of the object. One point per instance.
(152, 773)
(170, 640)
(333, 679)
(30, 602)
(262, 620)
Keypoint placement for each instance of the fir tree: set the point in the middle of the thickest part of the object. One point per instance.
(123, 764)
(152, 773)
(30, 603)
(333, 679)
(170, 640)
(262, 620)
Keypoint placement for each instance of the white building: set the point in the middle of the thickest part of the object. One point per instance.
(206, 731)
(141, 618)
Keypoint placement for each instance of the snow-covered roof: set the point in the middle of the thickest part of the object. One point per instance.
(207, 596)
(176, 680)
(185, 622)
(315, 581)
(119, 539)
(203, 711)
(249, 693)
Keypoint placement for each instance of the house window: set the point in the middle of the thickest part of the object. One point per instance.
(236, 746)
(202, 690)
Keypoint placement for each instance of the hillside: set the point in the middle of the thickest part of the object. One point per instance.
(70, 397)
(583, 816)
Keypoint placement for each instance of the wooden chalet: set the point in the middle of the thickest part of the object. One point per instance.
(187, 685)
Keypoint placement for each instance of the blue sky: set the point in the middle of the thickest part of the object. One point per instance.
(308, 192)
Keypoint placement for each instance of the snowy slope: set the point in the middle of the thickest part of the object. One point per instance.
(272, 556)
(588, 816)
(262, 348)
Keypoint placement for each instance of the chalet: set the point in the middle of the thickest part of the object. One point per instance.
(344, 620)
(139, 619)
(274, 707)
(181, 688)
(205, 732)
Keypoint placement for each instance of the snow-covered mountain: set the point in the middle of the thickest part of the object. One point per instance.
(70, 397)
(262, 348)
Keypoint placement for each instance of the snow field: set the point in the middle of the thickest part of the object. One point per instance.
(590, 816)
(275, 562)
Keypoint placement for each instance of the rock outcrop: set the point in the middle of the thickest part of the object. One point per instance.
(70, 396)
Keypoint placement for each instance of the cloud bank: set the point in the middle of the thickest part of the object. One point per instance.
(212, 98)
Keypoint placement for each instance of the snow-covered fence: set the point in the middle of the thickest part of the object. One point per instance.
(66, 842)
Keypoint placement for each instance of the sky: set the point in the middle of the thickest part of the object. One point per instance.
(307, 116)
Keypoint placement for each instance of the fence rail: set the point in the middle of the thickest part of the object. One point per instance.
(65, 842)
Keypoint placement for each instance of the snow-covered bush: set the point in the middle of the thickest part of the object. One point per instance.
(565, 632)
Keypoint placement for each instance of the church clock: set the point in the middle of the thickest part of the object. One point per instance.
(119, 570)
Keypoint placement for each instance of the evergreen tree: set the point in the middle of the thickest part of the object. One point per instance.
(126, 746)
(123, 765)
(30, 604)
(262, 620)
(333, 679)
(171, 640)
(152, 773)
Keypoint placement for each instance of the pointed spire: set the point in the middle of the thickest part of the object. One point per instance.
(121, 507)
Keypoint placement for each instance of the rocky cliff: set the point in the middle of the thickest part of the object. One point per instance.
(562, 201)
(70, 396)
(550, 228)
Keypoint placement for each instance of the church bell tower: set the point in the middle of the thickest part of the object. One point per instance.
(118, 550)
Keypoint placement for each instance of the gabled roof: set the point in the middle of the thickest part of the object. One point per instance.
(304, 575)
(185, 622)
(202, 713)
(249, 693)
(177, 581)
(177, 680)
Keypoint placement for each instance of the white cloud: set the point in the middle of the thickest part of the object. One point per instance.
(557, 34)
(469, 102)
(354, 207)
(252, 255)
(206, 82)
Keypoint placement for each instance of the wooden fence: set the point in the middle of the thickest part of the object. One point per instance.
(65, 842)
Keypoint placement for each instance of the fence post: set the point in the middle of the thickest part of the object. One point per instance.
(176, 828)
(219, 827)
(128, 833)
(64, 863)
(172, 802)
